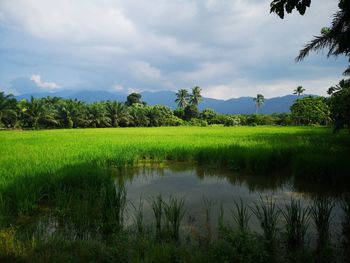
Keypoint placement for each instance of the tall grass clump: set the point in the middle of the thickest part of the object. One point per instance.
(321, 211)
(139, 218)
(297, 221)
(241, 215)
(207, 208)
(114, 207)
(157, 209)
(174, 213)
(268, 215)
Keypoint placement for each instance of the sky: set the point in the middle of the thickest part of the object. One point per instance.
(230, 48)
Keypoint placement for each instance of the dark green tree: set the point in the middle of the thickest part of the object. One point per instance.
(7, 109)
(310, 110)
(182, 98)
(159, 115)
(37, 113)
(138, 115)
(71, 113)
(133, 98)
(299, 90)
(97, 116)
(339, 103)
(117, 113)
(191, 111)
(195, 97)
(208, 115)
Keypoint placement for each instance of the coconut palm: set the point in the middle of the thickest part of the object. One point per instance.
(7, 106)
(299, 90)
(97, 115)
(196, 97)
(117, 112)
(182, 98)
(259, 101)
(36, 113)
(336, 37)
(71, 113)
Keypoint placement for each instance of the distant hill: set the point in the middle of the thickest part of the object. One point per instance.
(242, 105)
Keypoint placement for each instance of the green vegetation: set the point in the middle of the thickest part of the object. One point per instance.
(310, 110)
(299, 90)
(58, 198)
(259, 101)
(339, 104)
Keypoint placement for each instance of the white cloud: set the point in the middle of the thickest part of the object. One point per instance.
(145, 71)
(44, 85)
(229, 47)
(209, 71)
(117, 88)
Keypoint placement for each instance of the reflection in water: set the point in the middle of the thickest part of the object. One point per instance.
(222, 187)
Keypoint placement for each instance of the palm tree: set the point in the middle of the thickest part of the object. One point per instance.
(36, 112)
(117, 112)
(259, 101)
(7, 106)
(335, 37)
(182, 98)
(196, 97)
(299, 90)
(70, 113)
(97, 115)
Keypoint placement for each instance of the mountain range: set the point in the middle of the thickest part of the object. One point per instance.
(242, 105)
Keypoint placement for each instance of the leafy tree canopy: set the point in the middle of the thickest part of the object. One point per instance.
(339, 103)
(310, 110)
(335, 38)
(133, 98)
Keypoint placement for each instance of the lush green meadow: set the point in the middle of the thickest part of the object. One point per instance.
(68, 175)
(260, 149)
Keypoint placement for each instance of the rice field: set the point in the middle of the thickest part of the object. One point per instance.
(65, 179)
(259, 149)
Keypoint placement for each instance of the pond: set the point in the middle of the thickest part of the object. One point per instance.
(200, 185)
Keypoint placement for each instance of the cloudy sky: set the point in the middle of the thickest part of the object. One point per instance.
(230, 48)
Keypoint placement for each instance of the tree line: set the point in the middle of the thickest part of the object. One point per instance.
(55, 112)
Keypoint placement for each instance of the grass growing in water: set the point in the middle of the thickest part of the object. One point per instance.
(157, 208)
(268, 214)
(241, 215)
(174, 213)
(297, 222)
(321, 210)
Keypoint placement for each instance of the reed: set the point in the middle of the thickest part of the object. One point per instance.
(241, 215)
(207, 208)
(174, 213)
(321, 211)
(267, 214)
(297, 220)
(157, 208)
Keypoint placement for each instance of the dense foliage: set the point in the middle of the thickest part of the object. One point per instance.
(54, 112)
(310, 110)
(339, 103)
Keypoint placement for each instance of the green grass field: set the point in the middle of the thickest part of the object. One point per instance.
(68, 175)
(47, 151)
